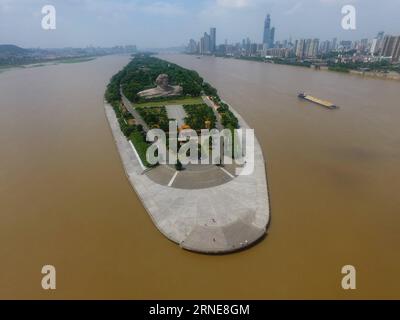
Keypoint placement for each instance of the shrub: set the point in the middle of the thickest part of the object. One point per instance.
(198, 114)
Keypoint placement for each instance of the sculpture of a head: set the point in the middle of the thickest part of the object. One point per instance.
(162, 81)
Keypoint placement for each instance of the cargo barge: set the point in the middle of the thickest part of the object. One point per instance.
(320, 102)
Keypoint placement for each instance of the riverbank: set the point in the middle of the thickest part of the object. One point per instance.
(392, 75)
(48, 63)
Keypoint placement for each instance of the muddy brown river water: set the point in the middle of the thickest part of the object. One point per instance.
(334, 179)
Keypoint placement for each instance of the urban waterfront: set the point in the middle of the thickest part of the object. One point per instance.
(333, 178)
(378, 56)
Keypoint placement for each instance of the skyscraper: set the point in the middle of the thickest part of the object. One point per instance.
(205, 44)
(377, 44)
(313, 48)
(272, 38)
(213, 40)
(192, 47)
(300, 48)
(202, 46)
(391, 47)
(334, 44)
(307, 48)
(267, 28)
(269, 33)
(325, 47)
(374, 47)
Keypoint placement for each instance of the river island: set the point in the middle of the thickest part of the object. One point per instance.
(204, 207)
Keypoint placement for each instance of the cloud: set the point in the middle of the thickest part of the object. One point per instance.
(234, 3)
(163, 8)
(153, 7)
(338, 2)
(10, 6)
(294, 9)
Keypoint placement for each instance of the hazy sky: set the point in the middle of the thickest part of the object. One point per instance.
(163, 23)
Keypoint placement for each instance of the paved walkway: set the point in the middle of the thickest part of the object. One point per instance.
(176, 112)
(193, 177)
(220, 219)
(211, 104)
(128, 105)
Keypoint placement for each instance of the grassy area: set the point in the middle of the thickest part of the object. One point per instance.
(132, 132)
(181, 101)
(155, 117)
(228, 120)
(140, 145)
(141, 73)
(199, 115)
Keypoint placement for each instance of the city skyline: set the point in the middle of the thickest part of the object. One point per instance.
(381, 47)
(101, 23)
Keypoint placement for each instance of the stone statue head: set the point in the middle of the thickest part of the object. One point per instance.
(162, 81)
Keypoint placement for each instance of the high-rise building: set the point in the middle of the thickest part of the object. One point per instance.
(269, 33)
(205, 44)
(334, 44)
(396, 55)
(253, 48)
(307, 47)
(202, 46)
(346, 45)
(272, 39)
(396, 51)
(377, 46)
(192, 47)
(213, 40)
(387, 47)
(391, 47)
(296, 44)
(312, 47)
(364, 44)
(300, 48)
(325, 47)
(374, 47)
(267, 28)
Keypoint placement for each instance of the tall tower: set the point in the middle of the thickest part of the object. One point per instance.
(267, 30)
(213, 40)
(272, 38)
(207, 43)
(269, 33)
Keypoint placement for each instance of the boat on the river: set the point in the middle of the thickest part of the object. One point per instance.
(324, 103)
